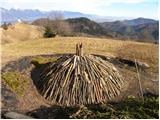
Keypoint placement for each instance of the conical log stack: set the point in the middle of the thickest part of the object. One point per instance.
(80, 80)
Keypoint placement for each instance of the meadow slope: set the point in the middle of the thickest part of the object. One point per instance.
(20, 32)
(145, 52)
(22, 70)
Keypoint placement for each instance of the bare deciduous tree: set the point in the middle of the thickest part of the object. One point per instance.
(58, 24)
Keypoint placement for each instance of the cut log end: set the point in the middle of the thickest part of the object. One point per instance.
(79, 49)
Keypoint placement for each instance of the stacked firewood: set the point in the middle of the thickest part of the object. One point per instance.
(79, 80)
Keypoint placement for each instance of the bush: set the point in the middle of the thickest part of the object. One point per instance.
(5, 26)
(49, 32)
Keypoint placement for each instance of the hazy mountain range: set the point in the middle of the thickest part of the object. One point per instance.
(140, 29)
(13, 15)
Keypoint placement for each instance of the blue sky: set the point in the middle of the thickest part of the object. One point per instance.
(125, 8)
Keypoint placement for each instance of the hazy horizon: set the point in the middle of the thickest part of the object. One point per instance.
(115, 8)
(122, 17)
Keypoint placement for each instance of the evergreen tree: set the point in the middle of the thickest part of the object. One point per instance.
(49, 32)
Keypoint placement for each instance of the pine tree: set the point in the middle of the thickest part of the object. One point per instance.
(49, 32)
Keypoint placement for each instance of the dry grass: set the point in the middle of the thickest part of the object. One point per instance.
(143, 51)
(20, 32)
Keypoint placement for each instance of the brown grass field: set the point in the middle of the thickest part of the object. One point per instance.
(145, 52)
(22, 39)
(20, 32)
(17, 43)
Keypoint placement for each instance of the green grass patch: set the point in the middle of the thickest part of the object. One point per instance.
(16, 81)
(130, 108)
(42, 60)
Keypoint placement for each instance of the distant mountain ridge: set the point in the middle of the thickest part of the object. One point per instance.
(12, 15)
(137, 29)
(140, 21)
(78, 26)
(143, 30)
(87, 26)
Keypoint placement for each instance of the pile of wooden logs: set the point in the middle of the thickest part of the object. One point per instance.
(80, 80)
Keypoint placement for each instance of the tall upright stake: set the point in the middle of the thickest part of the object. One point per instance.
(79, 49)
(139, 80)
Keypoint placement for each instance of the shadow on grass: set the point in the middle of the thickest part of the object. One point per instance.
(39, 67)
(129, 108)
(54, 112)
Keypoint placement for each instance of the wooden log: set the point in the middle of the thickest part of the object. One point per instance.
(79, 49)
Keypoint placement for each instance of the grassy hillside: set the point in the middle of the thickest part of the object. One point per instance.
(20, 32)
(128, 108)
(143, 51)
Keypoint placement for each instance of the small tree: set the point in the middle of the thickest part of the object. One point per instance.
(58, 23)
(49, 32)
(5, 26)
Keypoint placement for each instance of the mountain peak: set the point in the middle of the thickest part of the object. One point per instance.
(11, 15)
(140, 21)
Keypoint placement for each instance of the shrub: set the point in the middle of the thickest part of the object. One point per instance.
(49, 32)
(5, 26)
